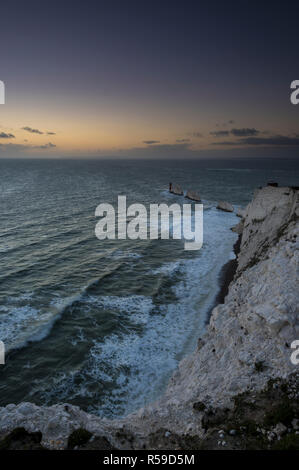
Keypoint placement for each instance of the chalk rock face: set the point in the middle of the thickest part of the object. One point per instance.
(259, 318)
(267, 216)
(225, 206)
(193, 195)
(176, 189)
(241, 213)
(238, 228)
(55, 422)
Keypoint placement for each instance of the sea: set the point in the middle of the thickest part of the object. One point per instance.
(103, 324)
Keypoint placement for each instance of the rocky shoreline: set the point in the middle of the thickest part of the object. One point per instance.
(239, 389)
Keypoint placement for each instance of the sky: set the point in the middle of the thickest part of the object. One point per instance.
(154, 79)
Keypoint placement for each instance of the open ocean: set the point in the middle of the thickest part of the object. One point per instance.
(103, 324)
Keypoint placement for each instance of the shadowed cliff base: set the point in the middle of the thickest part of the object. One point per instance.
(226, 276)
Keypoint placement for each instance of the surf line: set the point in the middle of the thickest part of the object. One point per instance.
(134, 222)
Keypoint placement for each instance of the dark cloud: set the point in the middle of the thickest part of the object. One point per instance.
(151, 142)
(33, 131)
(226, 142)
(273, 141)
(181, 141)
(4, 135)
(276, 140)
(13, 148)
(37, 131)
(45, 146)
(219, 133)
(244, 132)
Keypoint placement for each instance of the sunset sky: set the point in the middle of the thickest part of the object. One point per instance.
(148, 79)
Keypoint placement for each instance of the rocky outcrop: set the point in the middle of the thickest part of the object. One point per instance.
(176, 189)
(193, 195)
(225, 206)
(246, 344)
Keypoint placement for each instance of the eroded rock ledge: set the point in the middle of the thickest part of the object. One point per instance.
(247, 344)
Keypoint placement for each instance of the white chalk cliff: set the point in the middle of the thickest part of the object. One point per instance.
(256, 325)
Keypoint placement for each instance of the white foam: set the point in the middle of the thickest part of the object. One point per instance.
(20, 324)
(137, 307)
(139, 363)
(14, 320)
(168, 268)
(170, 333)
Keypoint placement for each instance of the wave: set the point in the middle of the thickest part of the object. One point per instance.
(135, 363)
(21, 324)
(131, 366)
